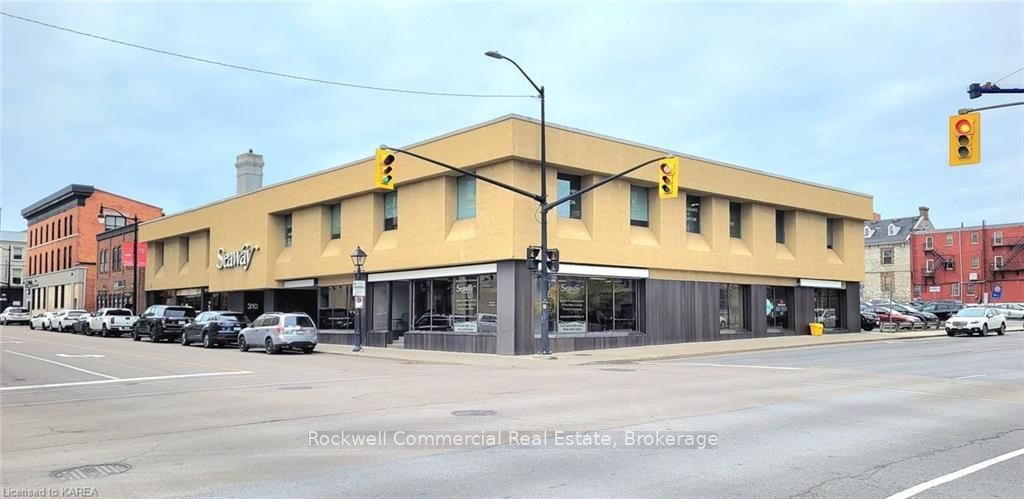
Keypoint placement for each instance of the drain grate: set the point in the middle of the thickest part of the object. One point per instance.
(619, 369)
(470, 413)
(91, 471)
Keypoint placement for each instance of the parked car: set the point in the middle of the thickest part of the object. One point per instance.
(40, 320)
(886, 315)
(64, 319)
(111, 322)
(162, 322)
(81, 324)
(943, 309)
(1010, 310)
(276, 330)
(214, 328)
(15, 315)
(976, 320)
(868, 320)
(926, 317)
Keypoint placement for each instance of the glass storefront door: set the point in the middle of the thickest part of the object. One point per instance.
(828, 307)
(776, 307)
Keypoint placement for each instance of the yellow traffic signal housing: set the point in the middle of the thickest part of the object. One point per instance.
(668, 178)
(384, 178)
(965, 139)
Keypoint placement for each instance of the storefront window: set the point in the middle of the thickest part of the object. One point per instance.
(336, 309)
(730, 308)
(592, 304)
(465, 304)
(828, 308)
(776, 307)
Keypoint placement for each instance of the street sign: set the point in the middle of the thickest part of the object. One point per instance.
(997, 292)
(359, 288)
(358, 301)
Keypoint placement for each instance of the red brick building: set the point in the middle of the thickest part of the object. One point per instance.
(969, 263)
(60, 260)
(114, 277)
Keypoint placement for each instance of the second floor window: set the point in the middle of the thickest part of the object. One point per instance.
(830, 233)
(949, 240)
(288, 230)
(780, 226)
(336, 221)
(113, 222)
(465, 197)
(568, 184)
(735, 217)
(997, 237)
(693, 214)
(929, 243)
(391, 210)
(974, 262)
(887, 254)
(115, 259)
(638, 206)
(185, 244)
(16, 254)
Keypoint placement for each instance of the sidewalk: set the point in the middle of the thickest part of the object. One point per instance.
(624, 355)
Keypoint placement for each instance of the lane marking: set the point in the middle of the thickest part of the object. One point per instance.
(742, 366)
(62, 364)
(913, 491)
(81, 355)
(120, 380)
(150, 357)
(971, 376)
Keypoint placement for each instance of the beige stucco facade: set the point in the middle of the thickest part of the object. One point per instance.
(429, 235)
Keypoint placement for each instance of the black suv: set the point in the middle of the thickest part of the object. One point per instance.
(162, 322)
(214, 328)
(943, 309)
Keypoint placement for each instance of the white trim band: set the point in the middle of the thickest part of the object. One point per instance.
(599, 271)
(818, 283)
(482, 268)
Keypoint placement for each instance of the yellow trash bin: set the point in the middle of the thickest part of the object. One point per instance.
(817, 328)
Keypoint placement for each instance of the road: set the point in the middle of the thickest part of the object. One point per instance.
(859, 420)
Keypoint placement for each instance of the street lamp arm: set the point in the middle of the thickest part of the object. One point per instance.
(467, 172)
(540, 90)
(116, 212)
(550, 206)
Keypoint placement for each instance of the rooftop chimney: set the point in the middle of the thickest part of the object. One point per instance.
(248, 172)
(876, 217)
(923, 210)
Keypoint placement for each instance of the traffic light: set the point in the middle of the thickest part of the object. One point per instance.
(384, 178)
(553, 260)
(965, 139)
(533, 258)
(668, 178)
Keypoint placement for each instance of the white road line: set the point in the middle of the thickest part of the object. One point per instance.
(119, 380)
(971, 376)
(913, 491)
(62, 364)
(742, 366)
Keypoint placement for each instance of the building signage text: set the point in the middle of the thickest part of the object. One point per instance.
(241, 258)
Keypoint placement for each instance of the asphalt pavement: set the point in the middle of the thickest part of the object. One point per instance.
(856, 420)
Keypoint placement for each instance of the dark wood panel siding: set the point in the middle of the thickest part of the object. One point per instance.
(803, 309)
(524, 323)
(563, 344)
(757, 318)
(452, 342)
(852, 312)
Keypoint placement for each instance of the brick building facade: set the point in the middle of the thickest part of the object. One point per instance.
(970, 263)
(61, 257)
(114, 278)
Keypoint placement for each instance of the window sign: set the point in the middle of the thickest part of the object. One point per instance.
(465, 303)
(572, 305)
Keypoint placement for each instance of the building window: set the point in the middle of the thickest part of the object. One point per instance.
(974, 262)
(731, 308)
(997, 237)
(955, 289)
(15, 276)
(735, 219)
(467, 304)
(893, 229)
(593, 304)
(638, 206)
(113, 222)
(970, 289)
(929, 265)
(780, 227)
(693, 214)
(287, 230)
(828, 307)
(949, 240)
(568, 184)
(336, 307)
(929, 243)
(776, 305)
(887, 256)
(887, 282)
(336, 221)
(830, 233)
(974, 238)
(115, 261)
(917, 291)
(465, 188)
(185, 243)
(16, 254)
(998, 263)
(391, 210)
(158, 253)
(103, 261)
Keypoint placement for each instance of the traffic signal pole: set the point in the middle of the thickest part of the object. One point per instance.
(968, 110)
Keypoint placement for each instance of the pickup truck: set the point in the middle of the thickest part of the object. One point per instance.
(111, 322)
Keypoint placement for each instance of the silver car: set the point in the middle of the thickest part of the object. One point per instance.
(275, 331)
(15, 315)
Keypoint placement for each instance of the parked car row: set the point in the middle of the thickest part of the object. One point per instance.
(272, 331)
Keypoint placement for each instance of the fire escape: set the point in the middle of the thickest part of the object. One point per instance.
(1012, 261)
(940, 261)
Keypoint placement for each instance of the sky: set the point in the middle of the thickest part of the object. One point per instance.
(855, 95)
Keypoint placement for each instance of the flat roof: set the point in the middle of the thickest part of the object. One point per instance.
(519, 117)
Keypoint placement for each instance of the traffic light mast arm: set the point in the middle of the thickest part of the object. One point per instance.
(550, 206)
(967, 110)
(491, 181)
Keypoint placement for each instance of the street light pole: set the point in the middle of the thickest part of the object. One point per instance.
(358, 259)
(545, 343)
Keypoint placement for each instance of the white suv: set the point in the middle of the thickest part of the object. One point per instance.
(275, 331)
(976, 320)
(64, 319)
(15, 315)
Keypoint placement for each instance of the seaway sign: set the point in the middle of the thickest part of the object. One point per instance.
(241, 258)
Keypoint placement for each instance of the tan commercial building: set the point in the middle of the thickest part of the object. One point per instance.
(740, 253)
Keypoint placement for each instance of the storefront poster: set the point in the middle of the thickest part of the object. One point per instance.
(465, 291)
(572, 301)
